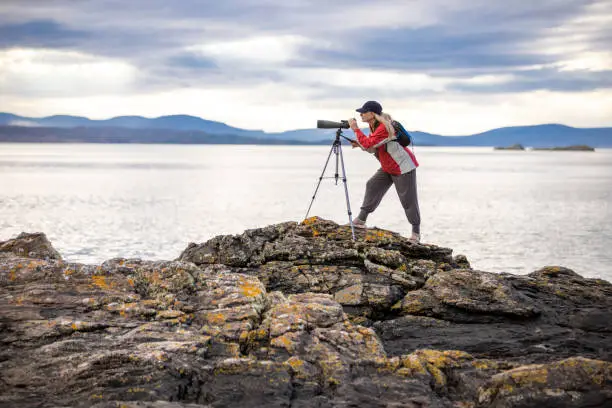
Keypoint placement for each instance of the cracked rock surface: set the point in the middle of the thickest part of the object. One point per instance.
(298, 315)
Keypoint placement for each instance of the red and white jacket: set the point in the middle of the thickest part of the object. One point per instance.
(394, 158)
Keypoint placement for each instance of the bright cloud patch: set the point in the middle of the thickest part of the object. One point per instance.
(36, 72)
(258, 50)
(588, 61)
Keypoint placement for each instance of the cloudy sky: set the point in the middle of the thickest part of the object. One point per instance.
(444, 66)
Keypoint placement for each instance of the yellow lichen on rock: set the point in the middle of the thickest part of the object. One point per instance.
(310, 221)
(99, 281)
(432, 362)
(288, 341)
(216, 318)
(249, 289)
(528, 375)
(547, 379)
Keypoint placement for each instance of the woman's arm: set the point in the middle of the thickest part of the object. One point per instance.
(375, 138)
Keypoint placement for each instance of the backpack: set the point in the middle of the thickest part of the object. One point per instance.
(403, 137)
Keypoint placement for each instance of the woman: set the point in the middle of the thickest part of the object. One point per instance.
(398, 167)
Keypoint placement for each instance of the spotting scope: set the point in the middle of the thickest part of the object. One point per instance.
(330, 124)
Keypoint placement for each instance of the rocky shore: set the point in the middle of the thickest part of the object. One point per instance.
(298, 315)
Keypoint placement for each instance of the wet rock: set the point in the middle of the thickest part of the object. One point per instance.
(299, 315)
(35, 246)
(573, 382)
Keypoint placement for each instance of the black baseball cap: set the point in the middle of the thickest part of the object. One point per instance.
(371, 106)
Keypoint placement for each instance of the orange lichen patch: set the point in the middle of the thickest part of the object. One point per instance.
(100, 281)
(371, 341)
(12, 275)
(295, 363)
(130, 282)
(216, 318)
(249, 289)
(96, 396)
(310, 221)
(376, 235)
(284, 341)
(74, 326)
(251, 336)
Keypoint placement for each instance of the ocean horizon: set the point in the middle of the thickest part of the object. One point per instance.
(507, 211)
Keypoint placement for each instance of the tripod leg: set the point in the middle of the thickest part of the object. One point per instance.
(348, 203)
(320, 178)
(337, 155)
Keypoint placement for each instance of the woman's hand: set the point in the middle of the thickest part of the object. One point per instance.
(353, 124)
(354, 144)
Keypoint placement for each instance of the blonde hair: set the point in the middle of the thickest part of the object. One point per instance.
(386, 120)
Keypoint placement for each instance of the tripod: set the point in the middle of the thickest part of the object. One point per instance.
(337, 150)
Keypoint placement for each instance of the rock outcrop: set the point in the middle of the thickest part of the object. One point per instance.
(298, 315)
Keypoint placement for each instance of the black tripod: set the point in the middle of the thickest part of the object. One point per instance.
(337, 150)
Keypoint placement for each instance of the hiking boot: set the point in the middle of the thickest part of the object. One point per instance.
(415, 238)
(357, 223)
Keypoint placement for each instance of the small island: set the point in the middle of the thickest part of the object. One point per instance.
(516, 146)
(574, 148)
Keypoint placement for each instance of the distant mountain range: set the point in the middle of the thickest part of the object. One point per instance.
(191, 129)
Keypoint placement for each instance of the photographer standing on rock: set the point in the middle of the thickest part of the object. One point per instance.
(398, 166)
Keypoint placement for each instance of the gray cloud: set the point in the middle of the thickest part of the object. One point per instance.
(545, 79)
(464, 38)
(40, 34)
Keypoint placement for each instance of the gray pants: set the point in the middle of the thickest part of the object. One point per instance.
(406, 188)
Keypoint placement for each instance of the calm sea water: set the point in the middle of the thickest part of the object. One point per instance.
(506, 211)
